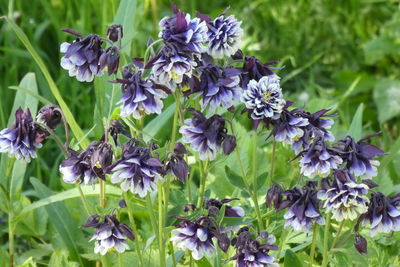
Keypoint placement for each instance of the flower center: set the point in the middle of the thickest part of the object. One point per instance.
(267, 96)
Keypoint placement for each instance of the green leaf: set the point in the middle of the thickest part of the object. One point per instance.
(61, 220)
(378, 48)
(153, 127)
(235, 221)
(234, 178)
(203, 263)
(53, 87)
(125, 16)
(355, 129)
(291, 259)
(387, 98)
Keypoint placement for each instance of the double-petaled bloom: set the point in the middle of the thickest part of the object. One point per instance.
(81, 57)
(23, 138)
(224, 35)
(86, 166)
(140, 96)
(195, 236)
(303, 208)
(344, 197)
(254, 69)
(318, 159)
(138, 171)
(206, 135)
(110, 234)
(383, 213)
(181, 31)
(359, 156)
(252, 252)
(172, 67)
(318, 125)
(263, 98)
(218, 86)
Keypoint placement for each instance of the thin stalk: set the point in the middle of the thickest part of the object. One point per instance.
(134, 229)
(313, 244)
(255, 188)
(10, 167)
(148, 49)
(153, 222)
(119, 259)
(172, 254)
(161, 209)
(203, 176)
(283, 238)
(337, 234)
(326, 237)
(83, 199)
(102, 194)
(272, 167)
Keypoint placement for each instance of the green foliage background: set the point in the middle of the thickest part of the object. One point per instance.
(341, 54)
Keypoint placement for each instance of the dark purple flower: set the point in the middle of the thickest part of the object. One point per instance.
(289, 127)
(275, 197)
(188, 35)
(359, 156)
(224, 34)
(252, 252)
(137, 171)
(110, 234)
(205, 136)
(195, 236)
(172, 67)
(229, 144)
(303, 208)
(23, 138)
(383, 213)
(114, 31)
(177, 164)
(116, 128)
(344, 197)
(254, 69)
(110, 59)
(49, 115)
(318, 159)
(317, 126)
(360, 243)
(218, 86)
(140, 96)
(81, 58)
(229, 210)
(85, 166)
(263, 98)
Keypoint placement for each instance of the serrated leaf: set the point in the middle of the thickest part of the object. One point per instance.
(355, 129)
(291, 259)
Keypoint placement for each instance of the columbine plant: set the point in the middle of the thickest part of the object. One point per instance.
(198, 61)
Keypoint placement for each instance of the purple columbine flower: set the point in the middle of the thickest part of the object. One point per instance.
(177, 164)
(252, 252)
(195, 236)
(81, 57)
(264, 99)
(172, 67)
(137, 171)
(359, 156)
(218, 86)
(49, 115)
(303, 208)
(205, 136)
(230, 211)
(289, 127)
(23, 138)
(254, 69)
(110, 234)
(383, 214)
(344, 197)
(110, 59)
(318, 159)
(317, 126)
(186, 34)
(86, 166)
(224, 34)
(140, 96)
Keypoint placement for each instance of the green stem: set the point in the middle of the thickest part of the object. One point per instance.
(313, 244)
(153, 222)
(283, 238)
(337, 234)
(148, 49)
(83, 199)
(255, 188)
(203, 176)
(161, 209)
(326, 237)
(134, 229)
(10, 167)
(272, 167)
(119, 259)
(102, 194)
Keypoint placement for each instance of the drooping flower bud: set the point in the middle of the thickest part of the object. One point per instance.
(110, 59)
(274, 196)
(49, 115)
(101, 158)
(361, 244)
(122, 203)
(229, 144)
(114, 31)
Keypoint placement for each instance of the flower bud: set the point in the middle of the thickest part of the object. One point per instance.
(213, 211)
(110, 58)
(179, 148)
(229, 144)
(189, 207)
(122, 203)
(223, 242)
(101, 158)
(274, 196)
(49, 115)
(360, 243)
(113, 31)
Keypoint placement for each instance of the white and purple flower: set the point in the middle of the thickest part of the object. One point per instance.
(206, 136)
(138, 171)
(140, 96)
(110, 234)
(23, 138)
(289, 127)
(264, 99)
(344, 197)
